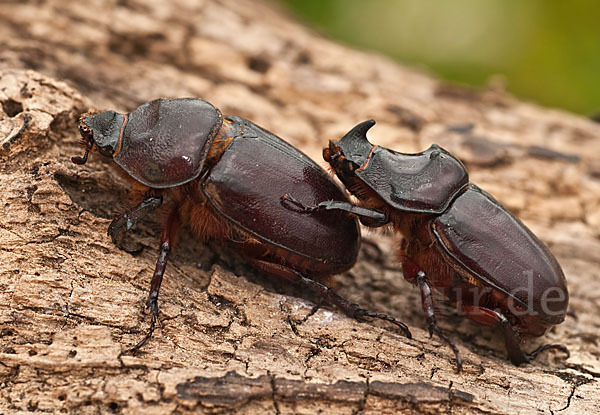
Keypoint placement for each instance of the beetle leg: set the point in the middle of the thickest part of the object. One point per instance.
(368, 217)
(351, 309)
(512, 339)
(126, 221)
(166, 242)
(428, 309)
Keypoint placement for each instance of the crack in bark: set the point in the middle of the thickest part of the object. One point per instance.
(573, 388)
(273, 394)
(576, 381)
(12, 139)
(67, 311)
(363, 401)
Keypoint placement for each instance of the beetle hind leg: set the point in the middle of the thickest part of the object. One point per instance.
(351, 309)
(512, 339)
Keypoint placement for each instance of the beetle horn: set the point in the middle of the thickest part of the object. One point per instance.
(354, 145)
(83, 160)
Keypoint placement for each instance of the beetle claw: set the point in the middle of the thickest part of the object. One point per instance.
(430, 332)
(289, 202)
(359, 313)
(435, 329)
(152, 304)
(531, 356)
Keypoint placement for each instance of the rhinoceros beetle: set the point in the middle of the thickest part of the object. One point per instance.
(458, 239)
(224, 177)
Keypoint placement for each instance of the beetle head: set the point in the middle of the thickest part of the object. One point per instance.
(351, 152)
(100, 131)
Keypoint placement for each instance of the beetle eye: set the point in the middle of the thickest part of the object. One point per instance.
(85, 131)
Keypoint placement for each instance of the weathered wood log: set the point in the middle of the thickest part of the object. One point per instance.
(233, 340)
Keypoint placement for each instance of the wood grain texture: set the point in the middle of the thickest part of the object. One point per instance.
(233, 341)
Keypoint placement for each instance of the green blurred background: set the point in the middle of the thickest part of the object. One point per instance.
(542, 50)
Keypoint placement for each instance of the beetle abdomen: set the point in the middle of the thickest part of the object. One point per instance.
(165, 141)
(481, 236)
(247, 185)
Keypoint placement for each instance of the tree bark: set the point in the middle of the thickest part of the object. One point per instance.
(232, 340)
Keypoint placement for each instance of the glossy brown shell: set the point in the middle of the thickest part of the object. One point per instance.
(423, 182)
(481, 237)
(165, 141)
(246, 187)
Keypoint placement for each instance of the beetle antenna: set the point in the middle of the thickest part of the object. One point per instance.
(83, 160)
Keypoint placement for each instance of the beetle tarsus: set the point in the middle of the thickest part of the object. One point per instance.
(438, 332)
(351, 309)
(148, 335)
(152, 305)
(513, 340)
(361, 312)
(527, 358)
(291, 203)
(428, 309)
(166, 239)
(368, 217)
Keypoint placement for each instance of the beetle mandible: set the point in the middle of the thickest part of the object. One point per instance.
(224, 177)
(457, 239)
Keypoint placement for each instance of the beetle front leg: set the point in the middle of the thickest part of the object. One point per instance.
(127, 220)
(351, 309)
(369, 217)
(429, 310)
(413, 274)
(166, 242)
(512, 339)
